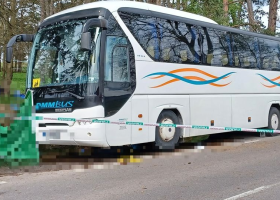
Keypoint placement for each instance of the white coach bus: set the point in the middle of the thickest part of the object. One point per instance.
(139, 62)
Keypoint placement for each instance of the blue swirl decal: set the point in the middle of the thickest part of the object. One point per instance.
(188, 80)
(269, 80)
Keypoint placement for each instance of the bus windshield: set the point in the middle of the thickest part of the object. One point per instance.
(56, 57)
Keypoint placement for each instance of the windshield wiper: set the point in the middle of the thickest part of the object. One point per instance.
(53, 91)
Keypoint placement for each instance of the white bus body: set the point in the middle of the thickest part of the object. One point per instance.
(237, 98)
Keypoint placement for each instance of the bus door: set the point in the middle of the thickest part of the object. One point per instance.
(117, 90)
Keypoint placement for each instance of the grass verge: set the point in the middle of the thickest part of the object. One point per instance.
(18, 82)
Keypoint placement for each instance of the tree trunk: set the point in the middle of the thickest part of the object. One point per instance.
(21, 48)
(168, 4)
(178, 4)
(4, 64)
(183, 4)
(47, 8)
(43, 10)
(51, 7)
(20, 66)
(251, 15)
(15, 66)
(11, 27)
(156, 2)
(225, 3)
(1, 60)
(272, 16)
(58, 6)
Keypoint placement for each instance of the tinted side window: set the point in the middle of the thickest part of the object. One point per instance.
(111, 44)
(245, 51)
(120, 65)
(206, 46)
(165, 40)
(217, 47)
(144, 29)
(270, 54)
(113, 27)
(179, 42)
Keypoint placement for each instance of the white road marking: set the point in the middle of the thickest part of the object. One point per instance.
(251, 141)
(2, 182)
(250, 192)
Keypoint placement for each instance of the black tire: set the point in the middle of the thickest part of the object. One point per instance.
(273, 120)
(167, 143)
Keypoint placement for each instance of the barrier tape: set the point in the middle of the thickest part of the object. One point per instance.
(131, 123)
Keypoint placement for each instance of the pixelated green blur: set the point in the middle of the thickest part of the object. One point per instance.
(17, 137)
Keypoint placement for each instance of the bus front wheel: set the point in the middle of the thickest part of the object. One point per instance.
(167, 137)
(273, 121)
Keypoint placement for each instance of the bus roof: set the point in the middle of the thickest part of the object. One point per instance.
(113, 6)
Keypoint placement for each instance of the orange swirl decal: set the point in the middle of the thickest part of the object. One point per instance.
(274, 84)
(188, 70)
(194, 80)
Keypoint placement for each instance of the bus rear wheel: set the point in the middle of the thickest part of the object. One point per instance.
(167, 137)
(273, 121)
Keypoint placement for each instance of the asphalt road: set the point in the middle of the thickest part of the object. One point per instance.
(245, 168)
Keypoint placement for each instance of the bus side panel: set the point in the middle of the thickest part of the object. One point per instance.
(254, 106)
(140, 113)
(118, 135)
(205, 108)
(157, 103)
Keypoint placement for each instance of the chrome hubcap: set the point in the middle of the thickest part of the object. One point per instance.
(167, 133)
(274, 122)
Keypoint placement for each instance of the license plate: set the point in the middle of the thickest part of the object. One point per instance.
(54, 135)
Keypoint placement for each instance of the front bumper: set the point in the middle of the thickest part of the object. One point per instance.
(78, 134)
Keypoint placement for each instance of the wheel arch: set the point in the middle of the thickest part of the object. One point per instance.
(275, 104)
(178, 114)
(179, 105)
(272, 121)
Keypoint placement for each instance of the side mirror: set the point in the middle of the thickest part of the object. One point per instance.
(85, 41)
(13, 40)
(86, 36)
(9, 54)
